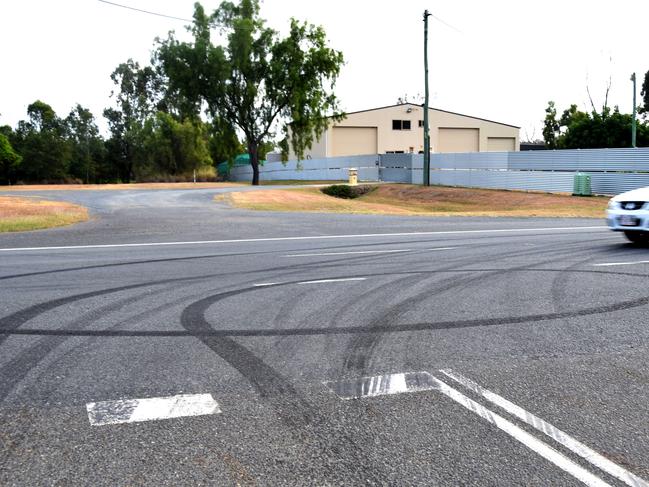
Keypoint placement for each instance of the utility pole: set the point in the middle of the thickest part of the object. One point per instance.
(633, 122)
(426, 130)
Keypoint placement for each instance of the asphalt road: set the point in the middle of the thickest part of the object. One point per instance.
(308, 349)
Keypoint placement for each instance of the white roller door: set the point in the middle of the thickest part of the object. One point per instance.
(354, 141)
(501, 144)
(458, 140)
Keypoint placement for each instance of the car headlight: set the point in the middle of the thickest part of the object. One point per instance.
(613, 205)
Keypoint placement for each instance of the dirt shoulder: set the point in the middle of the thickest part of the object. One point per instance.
(108, 187)
(21, 214)
(403, 199)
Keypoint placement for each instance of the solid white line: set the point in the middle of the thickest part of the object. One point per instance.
(150, 409)
(349, 253)
(606, 264)
(531, 442)
(322, 281)
(266, 284)
(316, 237)
(366, 252)
(549, 430)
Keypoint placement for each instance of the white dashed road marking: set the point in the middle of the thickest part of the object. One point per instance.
(366, 252)
(150, 409)
(381, 385)
(324, 281)
(607, 264)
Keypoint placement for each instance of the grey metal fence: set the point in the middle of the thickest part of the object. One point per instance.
(612, 170)
(327, 169)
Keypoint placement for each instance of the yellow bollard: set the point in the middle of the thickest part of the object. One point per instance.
(353, 176)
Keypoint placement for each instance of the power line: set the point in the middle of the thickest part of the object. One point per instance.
(145, 11)
(445, 23)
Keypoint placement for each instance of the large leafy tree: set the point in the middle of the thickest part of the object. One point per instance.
(87, 145)
(176, 147)
(581, 130)
(644, 93)
(9, 159)
(136, 96)
(257, 81)
(42, 142)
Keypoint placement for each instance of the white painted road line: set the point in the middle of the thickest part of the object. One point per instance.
(531, 442)
(606, 264)
(323, 281)
(366, 252)
(381, 385)
(151, 409)
(315, 237)
(350, 253)
(549, 430)
(262, 284)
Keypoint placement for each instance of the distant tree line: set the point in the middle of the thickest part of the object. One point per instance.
(152, 137)
(197, 104)
(604, 128)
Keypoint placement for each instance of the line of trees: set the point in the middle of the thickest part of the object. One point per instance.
(197, 104)
(597, 129)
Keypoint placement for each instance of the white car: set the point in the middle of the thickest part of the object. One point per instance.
(629, 213)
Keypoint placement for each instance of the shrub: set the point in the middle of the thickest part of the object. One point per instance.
(345, 191)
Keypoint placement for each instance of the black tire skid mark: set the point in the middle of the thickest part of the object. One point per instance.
(305, 422)
(407, 327)
(15, 371)
(213, 256)
(361, 329)
(361, 348)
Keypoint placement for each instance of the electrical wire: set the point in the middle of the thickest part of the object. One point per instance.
(445, 23)
(145, 11)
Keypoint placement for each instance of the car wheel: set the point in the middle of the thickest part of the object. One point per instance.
(637, 237)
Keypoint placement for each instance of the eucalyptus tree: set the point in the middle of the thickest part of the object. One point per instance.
(255, 80)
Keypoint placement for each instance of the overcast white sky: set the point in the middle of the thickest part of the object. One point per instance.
(506, 59)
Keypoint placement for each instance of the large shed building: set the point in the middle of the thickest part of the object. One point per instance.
(400, 129)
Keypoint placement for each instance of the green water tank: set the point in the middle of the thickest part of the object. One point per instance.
(581, 186)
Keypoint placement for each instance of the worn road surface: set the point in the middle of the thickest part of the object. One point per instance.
(172, 340)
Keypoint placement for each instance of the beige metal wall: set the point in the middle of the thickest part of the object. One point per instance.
(336, 142)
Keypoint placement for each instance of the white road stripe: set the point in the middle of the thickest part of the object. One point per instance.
(381, 385)
(531, 442)
(262, 284)
(365, 252)
(315, 237)
(322, 281)
(349, 253)
(150, 409)
(606, 264)
(549, 430)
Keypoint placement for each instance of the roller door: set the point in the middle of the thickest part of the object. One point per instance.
(354, 141)
(458, 140)
(501, 144)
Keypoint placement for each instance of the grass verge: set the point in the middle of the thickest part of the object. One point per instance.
(108, 187)
(403, 199)
(21, 214)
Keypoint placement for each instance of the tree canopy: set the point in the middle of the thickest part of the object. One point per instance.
(256, 81)
(576, 129)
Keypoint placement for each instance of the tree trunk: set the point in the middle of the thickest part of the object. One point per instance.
(254, 162)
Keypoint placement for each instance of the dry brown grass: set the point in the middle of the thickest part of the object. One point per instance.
(76, 187)
(402, 199)
(20, 214)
